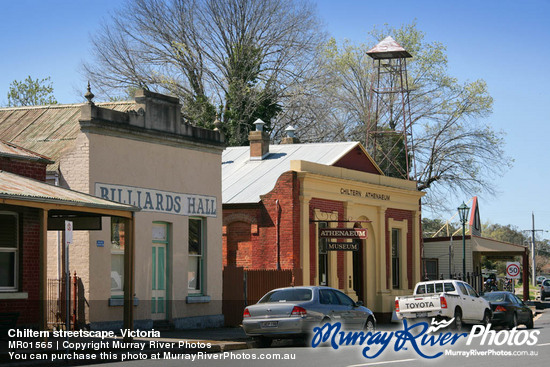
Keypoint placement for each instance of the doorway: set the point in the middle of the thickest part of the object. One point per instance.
(159, 257)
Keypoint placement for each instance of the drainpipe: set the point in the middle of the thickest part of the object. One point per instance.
(277, 239)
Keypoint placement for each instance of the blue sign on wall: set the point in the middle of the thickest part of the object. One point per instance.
(100, 243)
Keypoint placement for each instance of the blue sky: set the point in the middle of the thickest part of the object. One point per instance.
(506, 43)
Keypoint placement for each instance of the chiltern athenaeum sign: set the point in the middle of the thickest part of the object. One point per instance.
(355, 233)
(359, 193)
(151, 200)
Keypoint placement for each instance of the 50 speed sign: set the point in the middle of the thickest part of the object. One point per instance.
(512, 270)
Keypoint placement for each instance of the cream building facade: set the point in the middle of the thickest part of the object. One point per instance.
(137, 153)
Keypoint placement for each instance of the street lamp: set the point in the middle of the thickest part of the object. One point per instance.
(463, 213)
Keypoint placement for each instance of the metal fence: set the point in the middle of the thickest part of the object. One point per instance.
(57, 303)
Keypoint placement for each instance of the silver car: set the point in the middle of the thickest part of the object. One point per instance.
(545, 289)
(293, 312)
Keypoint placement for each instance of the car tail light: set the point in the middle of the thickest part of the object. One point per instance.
(396, 306)
(500, 309)
(298, 311)
(443, 302)
(246, 313)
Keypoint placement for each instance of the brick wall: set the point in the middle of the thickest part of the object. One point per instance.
(31, 169)
(400, 215)
(250, 234)
(29, 263)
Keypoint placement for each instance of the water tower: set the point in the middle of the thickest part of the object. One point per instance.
(389, 126)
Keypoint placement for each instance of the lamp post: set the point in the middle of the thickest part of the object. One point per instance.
(463, 213)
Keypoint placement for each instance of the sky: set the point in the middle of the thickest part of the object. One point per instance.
(506, 43)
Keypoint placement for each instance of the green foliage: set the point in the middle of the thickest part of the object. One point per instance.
(246, 100)
(505, 233)
(31, 92)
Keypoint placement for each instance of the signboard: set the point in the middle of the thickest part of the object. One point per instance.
(151, 200)
(342, 246)
(68, 232)
(354, 233)
(100, 243)
(512, 270)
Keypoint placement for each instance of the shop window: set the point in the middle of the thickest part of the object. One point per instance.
(197, 244)
(117, 256)
(395, 256)
(323, 257)
(9, 251)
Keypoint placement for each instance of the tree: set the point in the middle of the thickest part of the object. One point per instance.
(31, 92)
(455, 150)
(243, 58)
(505, 233)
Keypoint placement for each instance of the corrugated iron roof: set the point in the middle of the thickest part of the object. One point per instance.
(13, 186)
(244, 180)
(47, 130)
(388, 48)
(11, 150)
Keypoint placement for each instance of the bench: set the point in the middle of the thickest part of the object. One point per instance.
(8, 320)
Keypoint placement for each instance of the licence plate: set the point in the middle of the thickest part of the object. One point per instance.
(267, 324)
(421, 314)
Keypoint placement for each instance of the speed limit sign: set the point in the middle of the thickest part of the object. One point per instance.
(512, 270)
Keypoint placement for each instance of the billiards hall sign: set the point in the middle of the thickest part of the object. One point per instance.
(151, 200)
(343, 233)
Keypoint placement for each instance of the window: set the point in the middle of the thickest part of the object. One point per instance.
(431, 268)
(395, 254)
(421, 289)
(344, 300)
(438, 287)
(196, 253)
(9, 251)
(449, 287)
(117, 256)
(323, 258)
(462, 289)
(288, 295)
(471, 291)
(327, 297)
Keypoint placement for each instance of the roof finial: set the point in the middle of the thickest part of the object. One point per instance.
(89, 95)
(217, 123)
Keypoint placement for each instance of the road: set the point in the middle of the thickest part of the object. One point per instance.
(286, 353)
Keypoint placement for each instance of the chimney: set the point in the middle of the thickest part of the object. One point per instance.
(290, 136)
(259, 142)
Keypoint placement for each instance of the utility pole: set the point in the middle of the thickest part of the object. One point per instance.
(533, 250)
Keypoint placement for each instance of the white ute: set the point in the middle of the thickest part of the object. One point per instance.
(445, 299)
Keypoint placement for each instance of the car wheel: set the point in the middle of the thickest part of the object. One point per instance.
(457, 324)
(263, 342)
(369, 325)
(486, 318)
(513, 322)
(530, 323)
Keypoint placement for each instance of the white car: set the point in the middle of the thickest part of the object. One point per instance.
(445, 299)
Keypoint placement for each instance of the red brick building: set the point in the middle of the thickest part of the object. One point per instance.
(27, 208)
(277, 197)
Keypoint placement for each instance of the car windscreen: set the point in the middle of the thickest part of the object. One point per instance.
(495, 297)
(287, 295)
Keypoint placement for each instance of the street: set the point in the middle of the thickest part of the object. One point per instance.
(288, 353)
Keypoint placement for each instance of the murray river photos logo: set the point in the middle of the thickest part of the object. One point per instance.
(421, 337)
